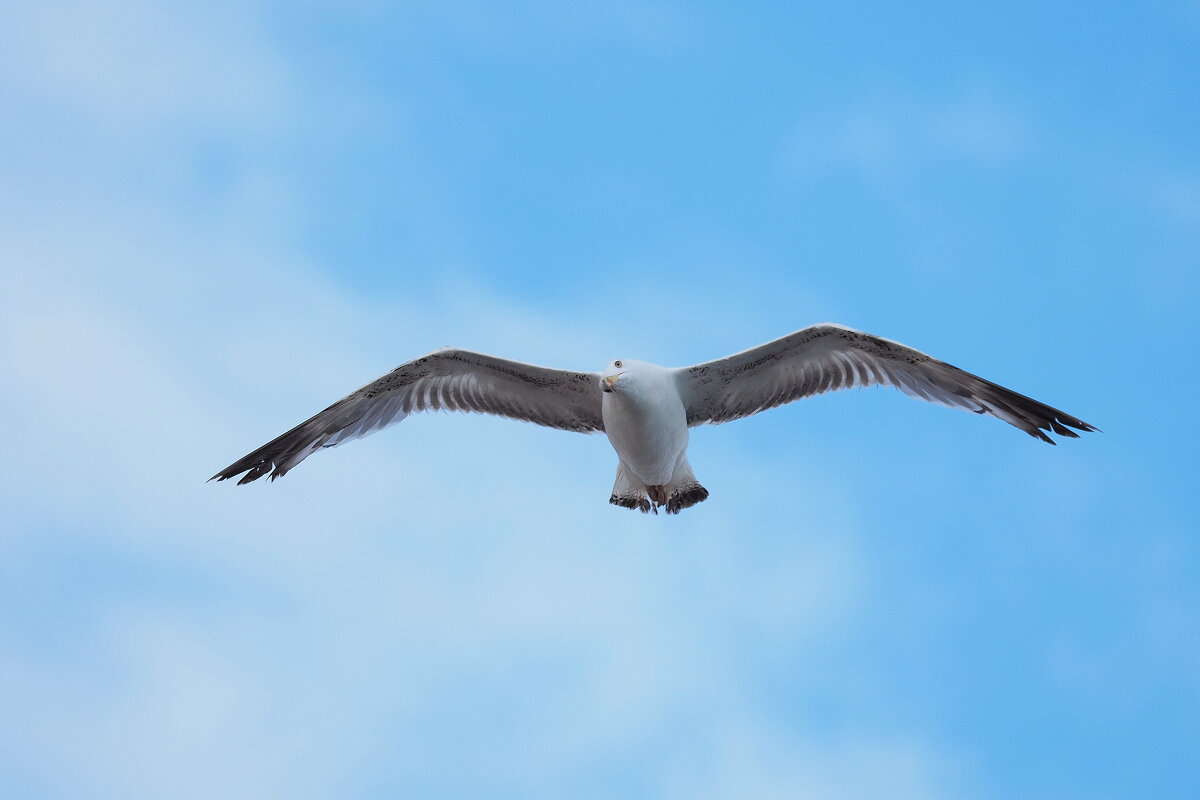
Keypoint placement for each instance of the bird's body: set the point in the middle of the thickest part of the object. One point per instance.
(646, 410)
(646, 423)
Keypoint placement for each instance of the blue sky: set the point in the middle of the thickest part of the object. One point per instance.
(215, 219)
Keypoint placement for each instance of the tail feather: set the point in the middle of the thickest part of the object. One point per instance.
(686, 497)
(684, 491)
(629, 492)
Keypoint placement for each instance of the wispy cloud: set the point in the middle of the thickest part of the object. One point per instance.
(1178, 197)
(134, 66)
(885, 136)
(449, 608)
(369, 625)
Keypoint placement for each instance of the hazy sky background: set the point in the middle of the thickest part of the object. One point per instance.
(217, 218)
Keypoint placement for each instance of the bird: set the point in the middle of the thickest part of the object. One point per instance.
(647, 410)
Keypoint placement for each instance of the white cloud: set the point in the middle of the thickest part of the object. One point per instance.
(405, 570)
(534, 28)
(889, 136)
(452, 581)
(133, 64)
(1178, 197)
(752, 759)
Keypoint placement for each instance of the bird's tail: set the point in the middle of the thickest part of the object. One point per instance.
(684, 491)
(629, 491)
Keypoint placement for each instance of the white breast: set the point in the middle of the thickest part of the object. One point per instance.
(647, 425)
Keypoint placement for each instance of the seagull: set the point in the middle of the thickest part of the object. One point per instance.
(646, 410)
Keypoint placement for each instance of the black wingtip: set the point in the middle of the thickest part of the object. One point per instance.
(1062, 430)
(1077, 424)
(253, 472)
(1037, 433)
(1061, 425)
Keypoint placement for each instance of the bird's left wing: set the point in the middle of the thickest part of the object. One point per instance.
(826, 357)
(451, 379)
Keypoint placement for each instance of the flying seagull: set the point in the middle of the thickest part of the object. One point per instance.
(646, 409)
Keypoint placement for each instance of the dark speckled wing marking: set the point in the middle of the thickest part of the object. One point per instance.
(450, 379)
(827, 357)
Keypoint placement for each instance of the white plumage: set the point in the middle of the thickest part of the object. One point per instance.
(646, 409)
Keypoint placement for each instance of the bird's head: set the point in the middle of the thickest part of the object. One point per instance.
(617, 375)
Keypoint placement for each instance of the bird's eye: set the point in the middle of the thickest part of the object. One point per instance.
(617, 364)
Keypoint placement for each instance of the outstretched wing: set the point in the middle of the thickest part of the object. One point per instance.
(451, 379)
(827, 357)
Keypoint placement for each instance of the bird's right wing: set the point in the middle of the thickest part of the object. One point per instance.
(827, 357)
(451, 379)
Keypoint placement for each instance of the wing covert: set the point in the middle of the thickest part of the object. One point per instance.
(827, 357)
(447, 379)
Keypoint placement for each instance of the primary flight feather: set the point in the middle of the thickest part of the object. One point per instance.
(646, 409)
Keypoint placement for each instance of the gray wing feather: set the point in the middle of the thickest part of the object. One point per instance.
(447, 379)
(828, 357)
